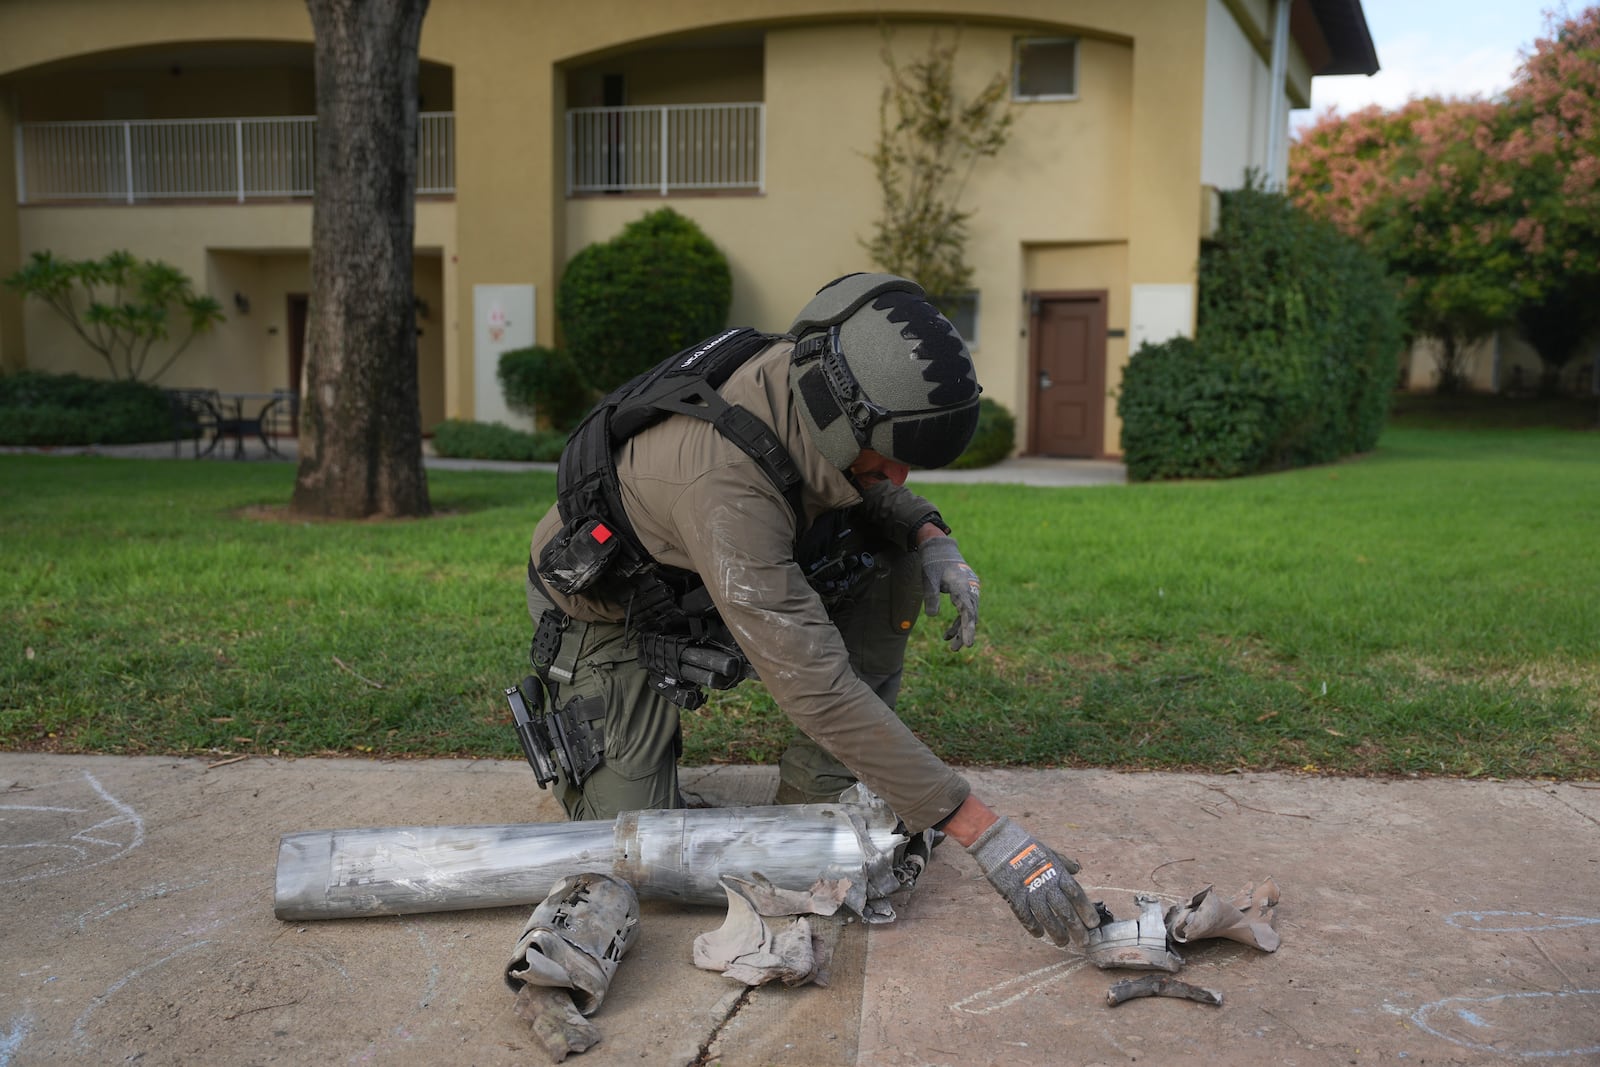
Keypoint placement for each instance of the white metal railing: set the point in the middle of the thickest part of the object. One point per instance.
(679, 146)
(197, 159)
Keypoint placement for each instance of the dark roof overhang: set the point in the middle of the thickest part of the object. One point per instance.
(1333, 36)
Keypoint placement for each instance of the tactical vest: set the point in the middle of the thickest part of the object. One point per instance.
(597, 551)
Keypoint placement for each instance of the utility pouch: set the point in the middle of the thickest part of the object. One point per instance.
(681, 666)
(578, 555)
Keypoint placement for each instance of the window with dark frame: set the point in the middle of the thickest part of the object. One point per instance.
(962, 311)
(1045, 68)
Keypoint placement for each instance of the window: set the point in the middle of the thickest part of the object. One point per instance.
(962, 311)
(1045, 68)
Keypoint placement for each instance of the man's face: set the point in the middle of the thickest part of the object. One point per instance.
(871, 467)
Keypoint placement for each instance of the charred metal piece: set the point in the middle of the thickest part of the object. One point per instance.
(1159, 985)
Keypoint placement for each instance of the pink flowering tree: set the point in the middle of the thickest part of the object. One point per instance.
(1418, 185)
(1487, 212)
(1550, 156)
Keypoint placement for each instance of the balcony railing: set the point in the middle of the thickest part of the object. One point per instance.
(664, 149)
(197, 159)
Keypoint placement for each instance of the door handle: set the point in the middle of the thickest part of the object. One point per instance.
(1044, 380)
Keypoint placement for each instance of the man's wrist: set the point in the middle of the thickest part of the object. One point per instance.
(968, 821)
(930, 527)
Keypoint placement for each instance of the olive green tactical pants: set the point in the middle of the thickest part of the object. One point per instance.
(642, 732)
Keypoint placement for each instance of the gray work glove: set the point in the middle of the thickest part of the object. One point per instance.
(1036, 882)
(945, 571)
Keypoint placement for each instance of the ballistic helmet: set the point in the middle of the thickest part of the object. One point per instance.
(877, 366)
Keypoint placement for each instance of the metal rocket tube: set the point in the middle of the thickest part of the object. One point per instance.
(676, 855)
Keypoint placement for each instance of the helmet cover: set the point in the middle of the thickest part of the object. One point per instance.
(878, 366)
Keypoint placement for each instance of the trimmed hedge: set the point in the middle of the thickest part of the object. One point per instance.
(459, 439)
(545, 383)
(39, 409)
(1293, 362)
(628, 303)
(994, 439)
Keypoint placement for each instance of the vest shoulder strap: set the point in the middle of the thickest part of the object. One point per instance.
(685, 384)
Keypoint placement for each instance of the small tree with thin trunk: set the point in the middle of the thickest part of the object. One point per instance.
(929, 141)
(121, 307)
(361, 421)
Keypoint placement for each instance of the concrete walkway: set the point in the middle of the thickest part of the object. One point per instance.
(1019, 471)
(1423, 921)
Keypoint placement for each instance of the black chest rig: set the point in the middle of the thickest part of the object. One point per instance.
(597, 552)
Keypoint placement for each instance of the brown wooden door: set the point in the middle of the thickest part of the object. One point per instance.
(298, 306)
(1067, 356)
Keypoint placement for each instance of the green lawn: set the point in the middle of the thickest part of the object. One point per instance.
(1430, 608)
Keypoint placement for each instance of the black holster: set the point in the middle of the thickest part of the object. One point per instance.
(566, 741)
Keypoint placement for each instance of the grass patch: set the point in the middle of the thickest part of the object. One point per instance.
(1425, 609)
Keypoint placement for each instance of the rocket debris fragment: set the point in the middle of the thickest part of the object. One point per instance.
(1159, 985)
(1248, 919)
(1139, 943)
(677, 855)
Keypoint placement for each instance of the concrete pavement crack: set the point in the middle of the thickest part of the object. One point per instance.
(704, 1057)
(1571, 806)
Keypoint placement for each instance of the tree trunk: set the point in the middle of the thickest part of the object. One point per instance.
(361, 423)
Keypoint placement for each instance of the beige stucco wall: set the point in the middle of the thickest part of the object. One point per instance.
(1489, 364)
(679, 75)
(1061, 178)
(1120, 166)
(259, 252)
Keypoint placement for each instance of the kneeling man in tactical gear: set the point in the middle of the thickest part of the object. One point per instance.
(741, 511)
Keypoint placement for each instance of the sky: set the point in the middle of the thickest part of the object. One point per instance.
(1436, 48)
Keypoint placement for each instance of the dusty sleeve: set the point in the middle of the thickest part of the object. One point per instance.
(898, 513)
(741, 542)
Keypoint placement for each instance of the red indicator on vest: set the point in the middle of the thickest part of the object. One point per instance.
(600, 534)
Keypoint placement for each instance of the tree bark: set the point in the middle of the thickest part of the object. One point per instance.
(361, 422)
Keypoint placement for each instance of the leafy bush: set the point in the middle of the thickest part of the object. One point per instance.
(992, 442)
(1293, 362)
(628, 303)
(68, 409)
(119, 305)
(544, 382)
(459, 439)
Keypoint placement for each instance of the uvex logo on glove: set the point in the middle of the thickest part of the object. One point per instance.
(1034, 867)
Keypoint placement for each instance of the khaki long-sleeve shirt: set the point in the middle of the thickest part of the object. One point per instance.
(697, 502)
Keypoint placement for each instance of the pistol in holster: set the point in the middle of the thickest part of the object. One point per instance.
(558, 742)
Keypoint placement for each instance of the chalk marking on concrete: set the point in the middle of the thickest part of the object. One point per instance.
(1041, 978)
(1457, 1007)
(13, 1036)
(82, 1022)
(1499, 922)
(40, 807)
(155, 892)
(125, 816)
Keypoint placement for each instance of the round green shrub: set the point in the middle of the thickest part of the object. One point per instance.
(39, 409)
(994, 439)
(628, 303)
(545, 383)
(1293, 360)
